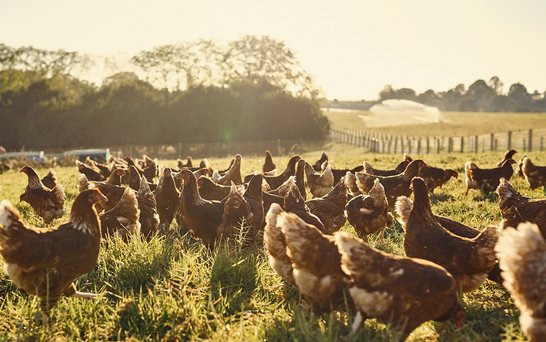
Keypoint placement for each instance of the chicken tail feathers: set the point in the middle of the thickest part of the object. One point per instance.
(8, 215)
(403, 208)
(522, 259)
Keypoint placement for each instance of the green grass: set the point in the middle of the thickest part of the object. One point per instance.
(453, 123)
(173, 288)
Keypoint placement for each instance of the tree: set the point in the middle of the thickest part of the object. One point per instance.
(496, 84)
(263, 58)
(518, 93)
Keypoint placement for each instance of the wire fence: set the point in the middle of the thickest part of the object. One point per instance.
(523, 140)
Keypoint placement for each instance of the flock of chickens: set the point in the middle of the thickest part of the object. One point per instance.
(300, 235)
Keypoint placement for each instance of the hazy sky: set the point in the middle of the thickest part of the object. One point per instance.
(352, 48)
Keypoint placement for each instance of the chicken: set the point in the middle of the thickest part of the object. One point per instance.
(112, 192)
(276, 181)
(319, 184)
(316, 262)
(150, 172)
(486, 180)
(340, 173)
(330, 208)
(469, 260)
(300, 177)
(167, 199)
(102, 168)
(268, 166)
(187, 164)
(92, 173)
(317, 166)
(45, 262)
(243, 208)
(350, 183)
(210, 190)
(115, 176)
(269, 199)
(47, 203)
(123, 219)
(435, 177)
(534, 175)
(233, 174)
(368, 168)
(133, 178)
(508, 155)
(201, 217)
(369, 214)
(283, 189)
(516, 209)
(395, 186)
(275, 245)
(401, 291)
(149, 218)
(293, 203)
(50, 180)
(522, 258)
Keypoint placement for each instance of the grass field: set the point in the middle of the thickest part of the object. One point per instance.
(172, 288)
(452, 124)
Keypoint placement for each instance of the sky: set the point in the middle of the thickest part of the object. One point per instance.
(351, 48)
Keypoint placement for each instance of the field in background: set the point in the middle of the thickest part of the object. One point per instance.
(172, 288)
(453, 123)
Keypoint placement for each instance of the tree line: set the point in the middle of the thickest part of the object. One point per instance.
(250, 89)
(481, 96)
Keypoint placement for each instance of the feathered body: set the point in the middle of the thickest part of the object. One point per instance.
(486, 180)
(47, 203)
(330, 208)
(45, 262)
(404, 292)
(522, 259)
(369, 214)
(534, 175)
(469, 260)
(516, 209)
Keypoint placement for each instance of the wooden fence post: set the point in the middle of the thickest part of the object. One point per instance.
(492, 142)
(530, 140)
(509, 147)
(476, 144)
(428, 145)
(462, 144)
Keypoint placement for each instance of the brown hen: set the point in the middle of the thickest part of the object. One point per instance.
(319, 183)
(47, 203)
(330, 208)
(395, 186)
(469, 260)
(534, 175)
(516, 209)
(123, 219)
(200, 216)
(316, 262)
(486, 180)
(45, 262)
(369, 214)
(400, 291)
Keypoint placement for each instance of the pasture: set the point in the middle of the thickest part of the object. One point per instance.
(451, 124)
(172, 288)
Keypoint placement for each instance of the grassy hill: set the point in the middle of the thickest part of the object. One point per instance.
(452, 123)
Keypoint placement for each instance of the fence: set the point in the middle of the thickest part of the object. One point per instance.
(523, 140)
(210, 149)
